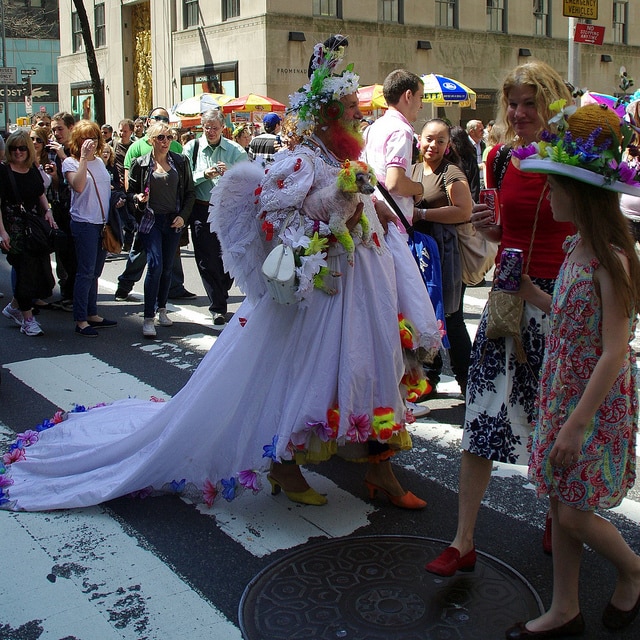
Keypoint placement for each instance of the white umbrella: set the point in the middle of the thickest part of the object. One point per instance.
(196, 105)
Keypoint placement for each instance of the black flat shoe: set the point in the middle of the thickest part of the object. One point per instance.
(616, 619)
(87, 332)
(102, 324)
(574, 627)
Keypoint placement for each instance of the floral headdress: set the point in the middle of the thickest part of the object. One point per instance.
(588, 147)
(323, 88)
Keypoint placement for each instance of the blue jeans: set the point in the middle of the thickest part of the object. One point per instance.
(90, 256)
(161, 244)
(137, 261)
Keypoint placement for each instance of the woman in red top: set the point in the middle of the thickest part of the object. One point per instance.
(501, 390)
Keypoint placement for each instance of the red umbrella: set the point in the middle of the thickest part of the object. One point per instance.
(253, 102)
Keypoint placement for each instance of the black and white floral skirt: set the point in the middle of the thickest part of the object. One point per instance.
(502, 392)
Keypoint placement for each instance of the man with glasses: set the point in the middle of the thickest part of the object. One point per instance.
(210, 156)
(107, 134)
(137, 260)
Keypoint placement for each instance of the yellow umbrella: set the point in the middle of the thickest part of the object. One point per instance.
(371, 97)
(253, 102)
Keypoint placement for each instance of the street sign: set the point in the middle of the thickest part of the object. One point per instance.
(29, 72)
(28, 105)
(587, 9)
(8, 75)
(588, 34)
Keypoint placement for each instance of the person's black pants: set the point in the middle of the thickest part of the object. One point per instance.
(208, 255)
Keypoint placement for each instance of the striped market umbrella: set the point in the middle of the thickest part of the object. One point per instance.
(253, 102)
(371, 98)
(442, 91)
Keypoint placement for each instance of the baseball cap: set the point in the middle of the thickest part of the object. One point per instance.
(271, 119)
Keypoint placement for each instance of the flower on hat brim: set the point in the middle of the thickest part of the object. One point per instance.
(601, 165)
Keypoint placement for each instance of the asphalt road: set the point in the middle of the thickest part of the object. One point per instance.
(163, 568)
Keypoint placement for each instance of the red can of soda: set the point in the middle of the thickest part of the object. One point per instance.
(510, 273)
(492, 200)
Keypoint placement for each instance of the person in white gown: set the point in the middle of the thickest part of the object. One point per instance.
(284, 384)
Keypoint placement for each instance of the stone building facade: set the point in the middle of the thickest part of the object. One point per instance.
(158, 52)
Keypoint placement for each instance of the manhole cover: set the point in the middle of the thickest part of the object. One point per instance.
(376, 588)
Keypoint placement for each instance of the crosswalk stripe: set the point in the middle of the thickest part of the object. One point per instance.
(86, 577)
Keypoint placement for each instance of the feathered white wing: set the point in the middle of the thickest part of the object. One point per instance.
(233, 216)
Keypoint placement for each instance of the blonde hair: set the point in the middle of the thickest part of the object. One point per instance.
(157, 128)
(548, 87)
(81, 131)
(19, 138)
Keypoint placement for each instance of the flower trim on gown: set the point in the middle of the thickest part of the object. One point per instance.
(281, 383)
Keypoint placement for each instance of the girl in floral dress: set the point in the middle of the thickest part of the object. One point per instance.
(583, 446)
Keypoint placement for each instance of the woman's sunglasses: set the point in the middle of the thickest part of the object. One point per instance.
(20, 147)
(38, 140)
(162, 137)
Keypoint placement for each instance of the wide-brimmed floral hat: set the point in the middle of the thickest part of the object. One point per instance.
(588, 146)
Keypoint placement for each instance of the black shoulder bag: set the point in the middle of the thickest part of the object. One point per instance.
(28, 231)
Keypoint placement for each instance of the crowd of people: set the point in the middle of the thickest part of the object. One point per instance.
(559, 395)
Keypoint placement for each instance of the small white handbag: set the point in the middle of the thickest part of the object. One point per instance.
(279, 271)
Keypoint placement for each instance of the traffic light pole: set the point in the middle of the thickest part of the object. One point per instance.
(4, 63)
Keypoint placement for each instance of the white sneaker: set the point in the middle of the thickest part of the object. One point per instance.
(148, 328)
(163, 319)
(31, 327)
(13, 314)
(418, 410)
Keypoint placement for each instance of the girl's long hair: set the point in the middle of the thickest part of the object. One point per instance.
(602, 224)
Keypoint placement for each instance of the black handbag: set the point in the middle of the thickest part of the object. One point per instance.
(38, 234)
(29, 231)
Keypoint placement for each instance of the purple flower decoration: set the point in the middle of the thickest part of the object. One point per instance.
(626, 173)
(524, 152)
(249, 480)
(321, 429)
(269, 450)
(5, 481)
(228, 489)
(359, 428)
(29, 437)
